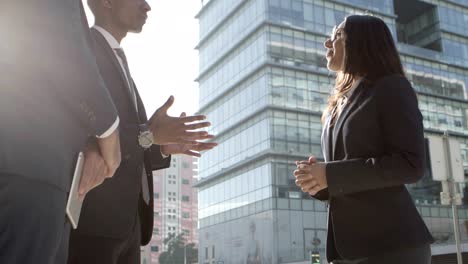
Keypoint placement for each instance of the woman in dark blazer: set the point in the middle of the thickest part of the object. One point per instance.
(373, 144)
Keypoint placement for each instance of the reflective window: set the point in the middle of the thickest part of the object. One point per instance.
(237, 65)
(453, 18)
(230, 33)
(383, 6)
(436, 78)
(237, 145)
(212, 14)
(443, 114)
(300, 90)
(455, 48)
(297, 134)
(238, 103)
(461, 2)
(235, 191)
(297, 48)
(318, 16)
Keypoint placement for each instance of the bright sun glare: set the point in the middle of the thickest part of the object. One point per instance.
(162, 59)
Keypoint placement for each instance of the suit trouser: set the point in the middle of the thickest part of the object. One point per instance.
(414, 255)
(91, 249)
(33, 225)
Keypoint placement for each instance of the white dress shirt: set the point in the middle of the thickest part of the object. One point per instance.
(111, 129)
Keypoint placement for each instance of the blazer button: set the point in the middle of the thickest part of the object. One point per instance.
(127, 157)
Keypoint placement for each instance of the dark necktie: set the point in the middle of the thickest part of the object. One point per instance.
(144, 180)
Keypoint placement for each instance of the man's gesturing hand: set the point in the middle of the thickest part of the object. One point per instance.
(188, 149)
(176, 130)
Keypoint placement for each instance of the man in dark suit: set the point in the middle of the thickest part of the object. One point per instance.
(114, 235)
(52, 101)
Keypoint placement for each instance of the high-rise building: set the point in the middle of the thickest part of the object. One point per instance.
(264, 84)
(175, 206)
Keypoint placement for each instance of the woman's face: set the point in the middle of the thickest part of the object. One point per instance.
(336, 48)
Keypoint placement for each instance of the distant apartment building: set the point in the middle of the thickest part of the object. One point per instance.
(175, 206)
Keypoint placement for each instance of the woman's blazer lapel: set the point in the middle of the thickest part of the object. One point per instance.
(345, 112)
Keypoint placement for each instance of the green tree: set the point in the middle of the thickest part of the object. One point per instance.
(177, 249)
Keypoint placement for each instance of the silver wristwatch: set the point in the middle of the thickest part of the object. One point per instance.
(145, 139)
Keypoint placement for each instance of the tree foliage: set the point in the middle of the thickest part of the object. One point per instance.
(175, 250)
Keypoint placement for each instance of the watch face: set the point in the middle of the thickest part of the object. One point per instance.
(146, 139)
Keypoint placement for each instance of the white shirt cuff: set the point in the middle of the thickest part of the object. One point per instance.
(111, 129)
(162, 154)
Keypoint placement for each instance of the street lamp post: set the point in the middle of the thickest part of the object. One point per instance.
(315, 254)
(185, 254)
(447, 167)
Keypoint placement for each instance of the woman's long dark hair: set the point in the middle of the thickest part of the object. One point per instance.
(370, 52)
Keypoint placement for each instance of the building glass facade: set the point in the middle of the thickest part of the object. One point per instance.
(264, 84)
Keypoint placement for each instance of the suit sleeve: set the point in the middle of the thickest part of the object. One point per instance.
(157, 160)
(51, 47)
(68, 57)
(403, 136)
(96, 103)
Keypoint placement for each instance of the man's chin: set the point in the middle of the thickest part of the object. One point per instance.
(136, 30)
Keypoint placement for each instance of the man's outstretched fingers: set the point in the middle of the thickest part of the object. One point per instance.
(195, 135)
(189, 119)
(192, 153)
(208, 145)
(209, 136)
(197, 125)
(203, 146)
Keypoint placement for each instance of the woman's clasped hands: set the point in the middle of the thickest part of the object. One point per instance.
(311, 175)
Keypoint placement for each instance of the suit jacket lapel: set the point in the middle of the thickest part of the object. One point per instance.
(110, 53)
(348, 108)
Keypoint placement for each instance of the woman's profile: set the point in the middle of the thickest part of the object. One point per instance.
(373, 144)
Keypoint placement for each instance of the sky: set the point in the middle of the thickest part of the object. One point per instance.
(162, 58)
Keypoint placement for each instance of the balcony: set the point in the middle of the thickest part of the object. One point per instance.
(418, 24)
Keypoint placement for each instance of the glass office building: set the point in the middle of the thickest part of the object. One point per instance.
(264, 84)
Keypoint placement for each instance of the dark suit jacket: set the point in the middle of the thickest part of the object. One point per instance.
(110, 209)
(373, 150)
(52, 98)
